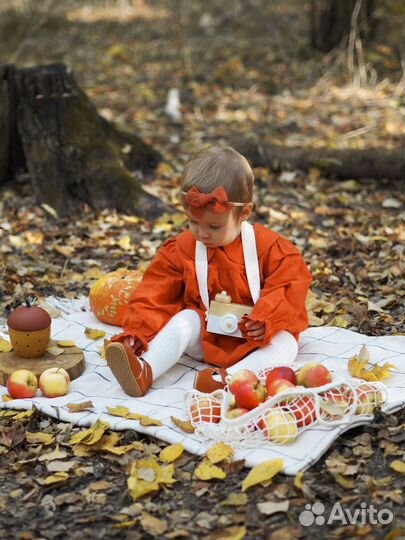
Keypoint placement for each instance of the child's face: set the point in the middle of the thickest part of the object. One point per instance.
(215, 230)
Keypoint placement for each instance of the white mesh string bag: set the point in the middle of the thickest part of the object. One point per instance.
(281, 419)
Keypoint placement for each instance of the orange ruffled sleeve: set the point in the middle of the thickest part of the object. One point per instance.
(158, 297)
(281, 305)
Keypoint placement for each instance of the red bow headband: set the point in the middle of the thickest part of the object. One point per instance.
(216, 201)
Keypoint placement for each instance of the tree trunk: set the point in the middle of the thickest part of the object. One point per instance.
(376, 163)
(331, 21)
(52, 130)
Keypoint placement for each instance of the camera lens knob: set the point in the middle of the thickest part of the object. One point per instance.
(229, 323)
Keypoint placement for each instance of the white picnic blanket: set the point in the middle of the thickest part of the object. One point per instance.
(329, 345)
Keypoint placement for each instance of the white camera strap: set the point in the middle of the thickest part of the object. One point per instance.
(251, 264)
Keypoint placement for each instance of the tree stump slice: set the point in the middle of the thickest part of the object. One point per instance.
(72, 359)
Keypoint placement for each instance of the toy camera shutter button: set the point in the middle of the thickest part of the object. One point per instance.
(229, 323)
(223, 298)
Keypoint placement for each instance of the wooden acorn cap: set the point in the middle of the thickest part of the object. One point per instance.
(29, 319)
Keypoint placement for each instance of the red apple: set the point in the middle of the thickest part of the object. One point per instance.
(279, 426)
(236, 413)
(205, 410)
(303, 409)
(281, 372)
(244, 375)
(277, 386)
(54, 382)
(313, 375)
(22, 383)
(249, 395)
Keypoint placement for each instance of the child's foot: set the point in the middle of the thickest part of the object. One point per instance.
(204, 380)
(133, 374)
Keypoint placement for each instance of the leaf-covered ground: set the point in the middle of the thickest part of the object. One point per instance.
(241, 68)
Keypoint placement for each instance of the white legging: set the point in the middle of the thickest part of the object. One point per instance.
(182, 334)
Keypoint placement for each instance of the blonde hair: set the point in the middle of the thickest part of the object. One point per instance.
(218, 166)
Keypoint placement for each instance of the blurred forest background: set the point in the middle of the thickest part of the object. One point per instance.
(320, 74)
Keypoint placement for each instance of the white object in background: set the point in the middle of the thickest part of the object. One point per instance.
(172, 108)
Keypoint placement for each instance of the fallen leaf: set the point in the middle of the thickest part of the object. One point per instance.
(299, 480)
(144, 420)
(264, 472)
(152, 525)
(268, 508)
(184, 425)
(398, 466)
(235, 499)
(171, 453)
(219, 452)
(208, 471)
(118, 411)
(93, 333)
(79, 407)
(91, 435)
(53, 479)
(39, 438)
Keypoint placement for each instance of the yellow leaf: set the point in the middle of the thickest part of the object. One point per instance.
(79, 407)
(6, 397)
(382, 372)
(184, 425)
(120, 450)
(356, 365)
(8, 412)
(235, 499)
(93, 333)
(24, 414)
(171, 453)
(5, 346)
(139, 488)
(145, 476)
(55, 351)
(144, 420)
(299, 480)
(208, 471)
(219, 452)
(344, 482)
(262, 473)
(340, 321)
(230, 533)
(95, 272)
(55, 478)
(91, 435)
(118, 411)
(66, 251)
(39, 438)
(398, 466)
(67, 343)
(125, 243)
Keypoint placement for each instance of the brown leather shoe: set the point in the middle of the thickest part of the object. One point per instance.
(133, 374)
(204, 380)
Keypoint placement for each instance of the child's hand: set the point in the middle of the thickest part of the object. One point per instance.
(255, 330)
(132, 343)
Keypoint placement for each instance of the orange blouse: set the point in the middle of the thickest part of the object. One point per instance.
(169, 285)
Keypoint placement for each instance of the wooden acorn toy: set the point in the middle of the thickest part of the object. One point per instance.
(29, 328)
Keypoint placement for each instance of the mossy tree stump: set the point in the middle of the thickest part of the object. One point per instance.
(50, 129)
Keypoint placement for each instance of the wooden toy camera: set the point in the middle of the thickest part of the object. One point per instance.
(223, 316)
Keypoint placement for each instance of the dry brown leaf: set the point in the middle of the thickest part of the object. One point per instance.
(80, 407)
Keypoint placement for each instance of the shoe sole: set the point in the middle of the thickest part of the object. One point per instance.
(118, 362)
